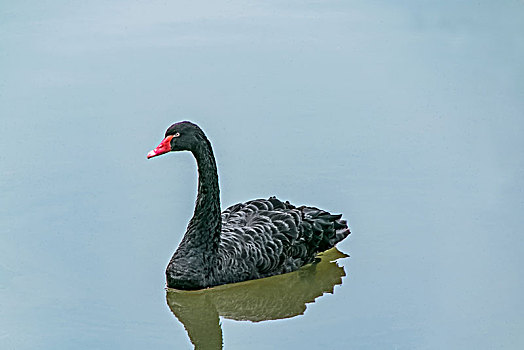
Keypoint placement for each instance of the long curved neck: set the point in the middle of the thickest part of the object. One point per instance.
(206, 224)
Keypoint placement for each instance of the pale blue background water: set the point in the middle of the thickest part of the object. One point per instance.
(407, 117)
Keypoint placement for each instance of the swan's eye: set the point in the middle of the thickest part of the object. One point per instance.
(176, 135)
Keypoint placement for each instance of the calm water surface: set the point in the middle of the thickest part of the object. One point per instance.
(406, 117)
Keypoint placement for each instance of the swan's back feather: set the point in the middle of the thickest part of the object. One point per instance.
(265, 237)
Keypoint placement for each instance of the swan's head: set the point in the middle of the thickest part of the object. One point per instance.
(182, 136)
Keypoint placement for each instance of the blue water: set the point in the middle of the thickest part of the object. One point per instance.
(406, 117)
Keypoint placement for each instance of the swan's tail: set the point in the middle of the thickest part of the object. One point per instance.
(322, 229)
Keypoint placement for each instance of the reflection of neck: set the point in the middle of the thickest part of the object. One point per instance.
(200, 319)
(206, 224)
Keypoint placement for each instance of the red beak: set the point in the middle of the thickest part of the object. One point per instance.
(163, 147)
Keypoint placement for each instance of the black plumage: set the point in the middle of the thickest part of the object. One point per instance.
(255, 239)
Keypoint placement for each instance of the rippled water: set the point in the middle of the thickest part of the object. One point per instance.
(407, 118)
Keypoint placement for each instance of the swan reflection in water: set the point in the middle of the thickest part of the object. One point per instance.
(272, 298)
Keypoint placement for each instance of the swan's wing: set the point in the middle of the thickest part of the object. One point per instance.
(264, 237)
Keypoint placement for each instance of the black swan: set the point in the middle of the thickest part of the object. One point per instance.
(256, 239)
